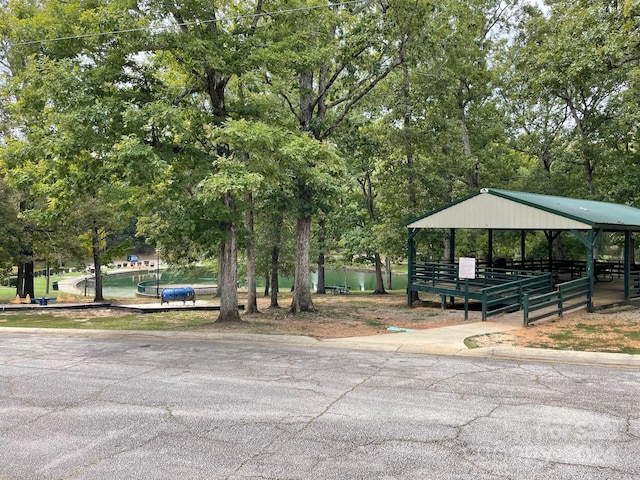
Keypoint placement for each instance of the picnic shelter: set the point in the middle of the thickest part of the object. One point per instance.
(547, 285)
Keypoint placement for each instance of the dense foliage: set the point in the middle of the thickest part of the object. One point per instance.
(301, 133)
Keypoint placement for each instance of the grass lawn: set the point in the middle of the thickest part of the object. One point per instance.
(357, 314)
(104, 319)
(40, 286)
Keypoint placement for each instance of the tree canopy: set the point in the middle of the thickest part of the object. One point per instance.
(265, 135)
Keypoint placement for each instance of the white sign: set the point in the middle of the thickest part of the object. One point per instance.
(467, 267)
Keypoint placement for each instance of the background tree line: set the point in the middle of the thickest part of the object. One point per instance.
(282, 132)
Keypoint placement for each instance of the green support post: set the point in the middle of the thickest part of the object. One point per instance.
(452, 253)
(466, 299)
(589, 242)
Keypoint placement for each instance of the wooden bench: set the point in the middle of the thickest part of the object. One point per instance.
(339, 289)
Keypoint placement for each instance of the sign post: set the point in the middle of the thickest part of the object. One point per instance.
(466, 271)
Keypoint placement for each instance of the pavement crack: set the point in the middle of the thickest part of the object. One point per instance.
(344, 394)
(179, 421)
(309, 422)
(629, 427)
(61, 408)
(462, 426)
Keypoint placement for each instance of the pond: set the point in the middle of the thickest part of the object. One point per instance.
(125, 285)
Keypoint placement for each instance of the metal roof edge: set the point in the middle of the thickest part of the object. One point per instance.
(506, 195)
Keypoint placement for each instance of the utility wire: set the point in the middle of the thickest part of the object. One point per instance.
(187, 24)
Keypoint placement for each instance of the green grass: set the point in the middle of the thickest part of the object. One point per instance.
(563, 337)
(374, 322)
(86, 319)
(39, 284)
(629, 350)
(632, 335)
(588, 328)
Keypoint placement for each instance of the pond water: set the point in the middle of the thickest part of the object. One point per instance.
(356, 280)
(125, 285)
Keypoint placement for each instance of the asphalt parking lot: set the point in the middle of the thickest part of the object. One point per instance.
(159, 408)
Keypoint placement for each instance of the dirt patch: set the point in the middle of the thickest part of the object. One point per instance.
(336, 316)
(614, 331)
(340, 316)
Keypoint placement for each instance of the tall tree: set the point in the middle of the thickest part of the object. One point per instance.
(361, 144)
(12, 231)
(341, 54)
(583, 71)
(66, 98)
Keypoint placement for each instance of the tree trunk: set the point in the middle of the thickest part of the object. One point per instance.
(387, 268)
(473, 175)
(408, 141)
(252, 300)
(20, 281)
(218, 293)
(24, 285)
(302, 301)
(558, 247)
(588, 173)
(322, 224)
(228, 275)
(95, 250)
(305, 83)
(275, 263)
(409, 155)
(379, 279)
(275, 260)
(369, 197)
(216, 85)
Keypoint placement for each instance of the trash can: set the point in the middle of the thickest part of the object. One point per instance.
(55, 286)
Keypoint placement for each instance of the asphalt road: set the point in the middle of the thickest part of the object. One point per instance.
(147, 408)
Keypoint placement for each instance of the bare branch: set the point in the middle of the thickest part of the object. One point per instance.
(358, 97)
(291, 107)
(185, 94)
(259, 13)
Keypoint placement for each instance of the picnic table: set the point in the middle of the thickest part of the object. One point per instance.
(603, 272)
(339, 289)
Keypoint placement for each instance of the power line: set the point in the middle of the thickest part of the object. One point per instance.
(186, 24)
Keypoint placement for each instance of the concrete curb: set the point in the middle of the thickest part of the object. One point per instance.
(557, 356)
(411, 342)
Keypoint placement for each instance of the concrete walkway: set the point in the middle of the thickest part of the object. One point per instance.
(68, 284)
(451, 341)
(437, 340)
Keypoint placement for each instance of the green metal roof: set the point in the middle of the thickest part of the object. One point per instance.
(598, 214)
(474, 211)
